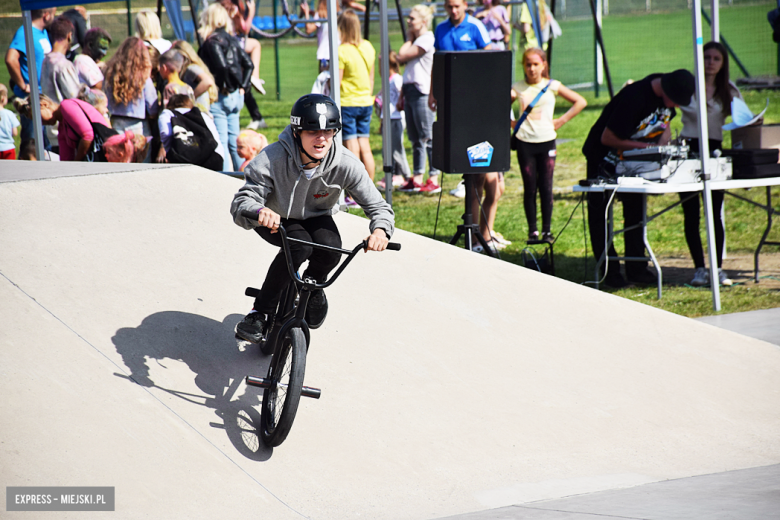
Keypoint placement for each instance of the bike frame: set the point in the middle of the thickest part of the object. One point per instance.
(302, 289)
(289, 316)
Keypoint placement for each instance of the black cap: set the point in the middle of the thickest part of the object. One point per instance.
(679, 86)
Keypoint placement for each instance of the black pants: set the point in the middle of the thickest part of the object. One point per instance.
(632, 214)
(251, 105)
(692, 216)
(321, 230)
(537, 163)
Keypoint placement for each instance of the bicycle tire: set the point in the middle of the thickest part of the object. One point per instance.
(280, 401)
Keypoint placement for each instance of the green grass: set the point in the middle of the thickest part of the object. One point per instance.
(419, 213)
(745, 223)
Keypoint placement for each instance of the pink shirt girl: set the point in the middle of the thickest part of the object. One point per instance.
(76, 124)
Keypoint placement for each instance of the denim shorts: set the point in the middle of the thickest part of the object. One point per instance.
(355, 122)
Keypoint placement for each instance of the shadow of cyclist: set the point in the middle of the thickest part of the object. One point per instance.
(209, 349)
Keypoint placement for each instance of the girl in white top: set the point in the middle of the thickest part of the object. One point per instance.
(720, 92)
(536, 136)
(417, 54)
(323, 48)
(147, 25)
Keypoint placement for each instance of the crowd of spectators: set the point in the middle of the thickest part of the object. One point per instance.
(121, 109)
(157, 100)
(133, 90)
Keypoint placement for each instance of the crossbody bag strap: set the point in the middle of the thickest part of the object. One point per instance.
(530, 107)
(98, 139)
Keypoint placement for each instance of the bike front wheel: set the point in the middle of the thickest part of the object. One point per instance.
(280, 400)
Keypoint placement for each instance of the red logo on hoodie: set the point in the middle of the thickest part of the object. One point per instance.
(321, 194)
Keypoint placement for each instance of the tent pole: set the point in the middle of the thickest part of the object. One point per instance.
(35, 100)
(704, 150)
(384, 64)
(333, 44)
(194, 16)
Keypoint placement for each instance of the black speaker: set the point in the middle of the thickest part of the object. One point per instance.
(472, 91)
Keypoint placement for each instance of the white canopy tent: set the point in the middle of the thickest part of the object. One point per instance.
(704, 148)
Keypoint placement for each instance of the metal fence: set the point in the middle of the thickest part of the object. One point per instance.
(640, 37)
(646, 36)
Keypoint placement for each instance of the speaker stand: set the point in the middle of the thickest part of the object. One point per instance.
(469, 229)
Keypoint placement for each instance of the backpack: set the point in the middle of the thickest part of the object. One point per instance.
(192, 141)
(96, 152)
(228, 62)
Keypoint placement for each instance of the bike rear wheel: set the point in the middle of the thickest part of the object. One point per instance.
(280, 400)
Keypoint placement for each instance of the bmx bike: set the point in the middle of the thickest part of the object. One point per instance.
(287, 339)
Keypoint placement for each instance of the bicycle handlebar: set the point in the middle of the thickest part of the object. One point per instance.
(251, 215)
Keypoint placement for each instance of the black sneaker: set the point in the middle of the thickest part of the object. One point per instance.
(548, 237)
(615, 281)
(317, 309)
(644, 277)
(252, 327)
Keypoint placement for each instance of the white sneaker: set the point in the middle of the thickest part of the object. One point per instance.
(257, 124)
(701, 277)
(498, 237)
(258, 84)
(495, 244)
(460, 190)
(477, 248)
(724, 279)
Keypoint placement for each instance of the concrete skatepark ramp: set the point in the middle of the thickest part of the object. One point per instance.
(452, 382)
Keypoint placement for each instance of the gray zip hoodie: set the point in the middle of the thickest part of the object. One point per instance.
(275, 179)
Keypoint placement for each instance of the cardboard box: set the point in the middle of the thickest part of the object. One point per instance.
(764, 136)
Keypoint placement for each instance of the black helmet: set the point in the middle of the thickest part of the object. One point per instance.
(315, 112)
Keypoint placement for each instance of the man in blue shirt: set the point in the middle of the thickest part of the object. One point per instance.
(16, 58)
(461, 31)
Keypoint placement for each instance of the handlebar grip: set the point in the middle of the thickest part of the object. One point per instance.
(251, 215)
(393, 246)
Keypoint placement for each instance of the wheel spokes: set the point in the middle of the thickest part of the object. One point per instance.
(280, 390)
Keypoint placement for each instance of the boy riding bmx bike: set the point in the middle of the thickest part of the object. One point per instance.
(297, 182)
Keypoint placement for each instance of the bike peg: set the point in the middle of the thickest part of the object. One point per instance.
(261, 382)
(308, 391)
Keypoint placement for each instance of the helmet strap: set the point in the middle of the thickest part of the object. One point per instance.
(297, 138)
